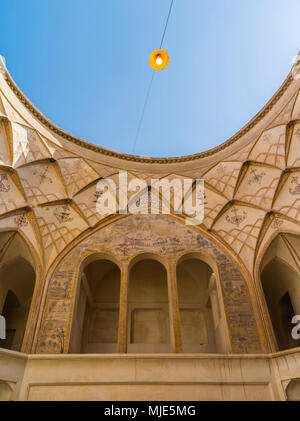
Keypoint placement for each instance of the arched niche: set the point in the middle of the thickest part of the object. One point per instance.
(148, 306)
(280, 278)
(17, 281)
(293, 390)
(96, 314)
(202, 317)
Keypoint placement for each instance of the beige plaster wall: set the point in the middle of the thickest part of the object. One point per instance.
(149, 377)
(12, 367)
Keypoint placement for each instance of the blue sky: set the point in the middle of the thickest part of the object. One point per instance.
(84, 64)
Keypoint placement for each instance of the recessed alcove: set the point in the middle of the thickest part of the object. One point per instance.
(17, 280)
(148, 308)
(202, 324)
(96, 315)
(280, 280)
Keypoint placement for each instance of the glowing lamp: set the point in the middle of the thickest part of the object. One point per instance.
(159, 59)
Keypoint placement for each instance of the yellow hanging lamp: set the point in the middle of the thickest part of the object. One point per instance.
(159, 59)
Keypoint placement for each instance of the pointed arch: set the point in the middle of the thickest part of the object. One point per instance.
(17, 284)
(280, 281)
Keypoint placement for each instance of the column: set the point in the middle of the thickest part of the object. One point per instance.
(122, 332)
(212, 290)
(175, 327)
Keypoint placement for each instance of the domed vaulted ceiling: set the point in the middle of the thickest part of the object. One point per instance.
(48, 178)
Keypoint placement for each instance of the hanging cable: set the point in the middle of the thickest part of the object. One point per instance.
(150, 84)
(170, 9)
(143, 112)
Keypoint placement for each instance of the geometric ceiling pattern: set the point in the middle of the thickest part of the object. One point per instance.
(48, 178)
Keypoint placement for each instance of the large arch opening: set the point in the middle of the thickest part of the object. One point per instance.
(96, 315)
(202, 326)
(17, 280)
(280, 278)
(148, 308)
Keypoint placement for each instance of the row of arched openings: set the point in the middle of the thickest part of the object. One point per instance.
(96, 314)
(96, 317)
